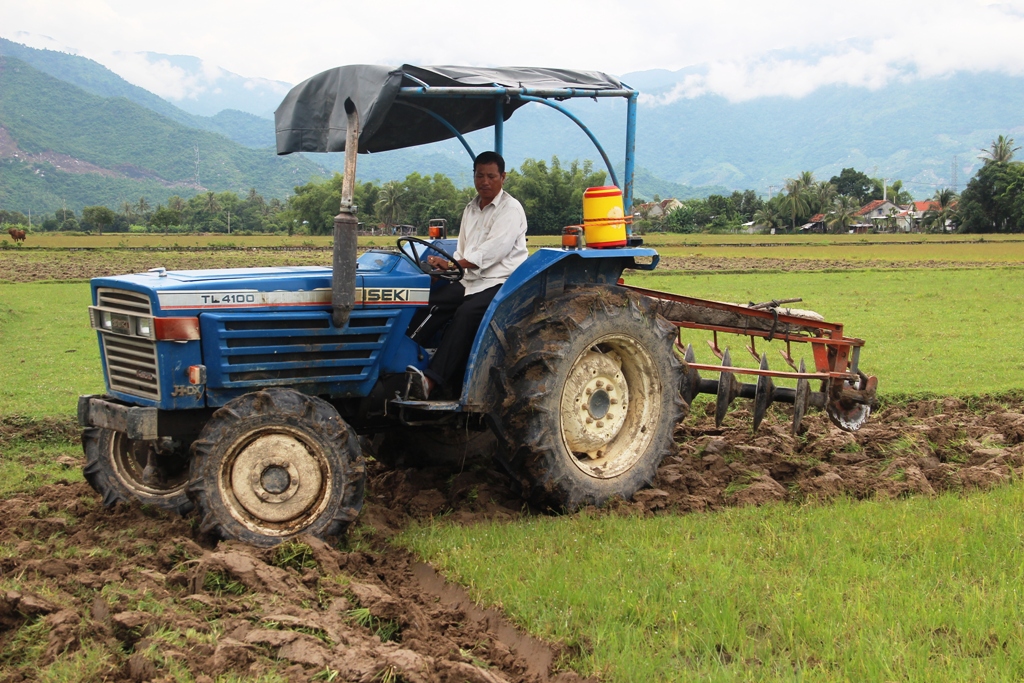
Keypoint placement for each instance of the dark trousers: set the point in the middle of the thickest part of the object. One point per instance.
(448, 365)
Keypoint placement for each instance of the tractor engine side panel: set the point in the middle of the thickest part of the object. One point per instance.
(247, 351)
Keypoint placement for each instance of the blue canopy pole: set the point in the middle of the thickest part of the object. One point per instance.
(627, 191)
(443, 121)
(499, 124)
(604, 155)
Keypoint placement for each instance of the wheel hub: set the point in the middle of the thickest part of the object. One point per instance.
(600, 401)
(594, 403)
(276, 478)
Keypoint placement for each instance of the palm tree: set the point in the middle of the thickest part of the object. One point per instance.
(897, 195)
(389, 202)
(176, 203)
(823, 193)
(1000, 151)
(769, 217)
(890, 219)
(806, 179)
(254, 198)
(128, 210)
(942, 210)
(143, 206)
(794, 202)
(211, 204)
(843, 213)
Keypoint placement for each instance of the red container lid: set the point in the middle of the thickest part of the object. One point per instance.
(606, 191)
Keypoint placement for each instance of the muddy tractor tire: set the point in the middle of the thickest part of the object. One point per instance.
(591, 397)
(122, 470)
(273, 464)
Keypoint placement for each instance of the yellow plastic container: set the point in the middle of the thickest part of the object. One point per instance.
(604, 223)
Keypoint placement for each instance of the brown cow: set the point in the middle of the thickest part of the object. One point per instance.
(16, 235)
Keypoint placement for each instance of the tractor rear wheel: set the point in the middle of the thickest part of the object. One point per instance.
(276, 463)
(591, 397)
(121, 470)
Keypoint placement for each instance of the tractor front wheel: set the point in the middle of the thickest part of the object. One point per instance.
(121, 469)
(276, 463)
(591, 397)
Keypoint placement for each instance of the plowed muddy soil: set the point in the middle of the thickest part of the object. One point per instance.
(138, 595)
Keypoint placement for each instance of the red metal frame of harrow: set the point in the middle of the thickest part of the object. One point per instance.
(830, 348)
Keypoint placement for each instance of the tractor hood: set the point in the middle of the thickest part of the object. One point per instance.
(312, 116)
(382, 278)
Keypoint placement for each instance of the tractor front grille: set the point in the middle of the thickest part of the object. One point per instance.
(131, 361)
(298, 348)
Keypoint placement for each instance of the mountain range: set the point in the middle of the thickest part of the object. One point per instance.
(61, 146)
(73, 132)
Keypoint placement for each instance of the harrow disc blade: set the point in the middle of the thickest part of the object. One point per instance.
(801, 400)
(728, 390)
(762, 394)
(847, 415)
(689, 386)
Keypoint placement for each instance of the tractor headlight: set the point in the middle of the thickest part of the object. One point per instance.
(106, 321)
(144, 327)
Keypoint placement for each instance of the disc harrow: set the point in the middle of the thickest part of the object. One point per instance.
(846, 394)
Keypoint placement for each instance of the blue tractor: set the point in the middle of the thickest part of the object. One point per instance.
(249, 394)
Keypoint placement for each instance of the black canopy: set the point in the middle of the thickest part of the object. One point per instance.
(312, 116)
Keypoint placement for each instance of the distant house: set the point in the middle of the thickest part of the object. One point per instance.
(919, 209)
(885, 216)
(816, 224)
(658, 209)
(877, 208)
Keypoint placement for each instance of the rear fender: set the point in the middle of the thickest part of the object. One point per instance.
(544, 275)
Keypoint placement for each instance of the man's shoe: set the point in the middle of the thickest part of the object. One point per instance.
(417, 383)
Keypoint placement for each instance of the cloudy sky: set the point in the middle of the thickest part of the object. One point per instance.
(738, 48)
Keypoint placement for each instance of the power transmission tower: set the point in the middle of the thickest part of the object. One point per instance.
(954, 179)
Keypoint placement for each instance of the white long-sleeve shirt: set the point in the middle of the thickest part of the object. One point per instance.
(492, 238)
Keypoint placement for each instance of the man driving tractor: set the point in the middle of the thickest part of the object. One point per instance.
(492, 244)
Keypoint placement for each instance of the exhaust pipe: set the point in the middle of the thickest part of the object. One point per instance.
(346, 225)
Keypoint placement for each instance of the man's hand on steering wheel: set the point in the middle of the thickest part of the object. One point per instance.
(444, 266)
(439, 263)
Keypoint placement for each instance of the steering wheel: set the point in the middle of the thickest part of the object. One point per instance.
(450, 275)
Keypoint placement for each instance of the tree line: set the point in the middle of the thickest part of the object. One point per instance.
(993, 201)
(552, 195)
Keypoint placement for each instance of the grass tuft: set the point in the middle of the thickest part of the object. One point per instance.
(386, 630)
(294, 555)
(218, 583)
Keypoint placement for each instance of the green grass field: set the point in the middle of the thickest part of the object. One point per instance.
(907, 590)
(975, 252)
(50, 353)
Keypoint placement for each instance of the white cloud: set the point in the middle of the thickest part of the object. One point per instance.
(951, 37)
(158, 76)
(748, 48)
